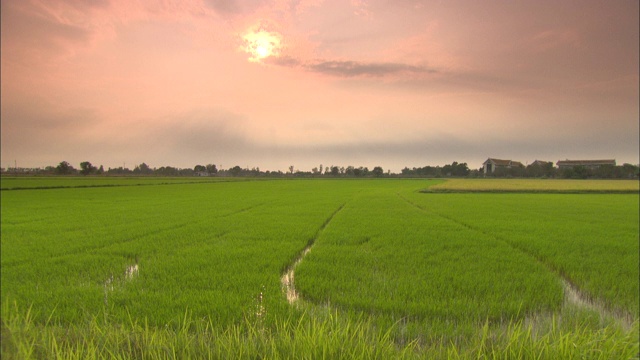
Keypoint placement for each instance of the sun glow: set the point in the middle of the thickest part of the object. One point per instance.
(262, 44)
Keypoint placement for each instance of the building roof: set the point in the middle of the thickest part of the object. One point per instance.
(500, 162)
(585, 162)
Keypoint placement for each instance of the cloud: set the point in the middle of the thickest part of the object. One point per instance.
(37, 30)
(36, 130)
(234, 7)
(340, 68)
(355, 68)
(224, 6)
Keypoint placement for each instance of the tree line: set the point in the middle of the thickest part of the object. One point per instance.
(455, 169)
(547, 170)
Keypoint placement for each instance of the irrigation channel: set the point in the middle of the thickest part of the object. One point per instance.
(129, 273)
(573, 295)
(287, 279)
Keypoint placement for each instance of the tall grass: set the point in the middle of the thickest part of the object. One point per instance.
(308, 336)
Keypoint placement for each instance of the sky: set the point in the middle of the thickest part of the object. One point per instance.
(270, 84)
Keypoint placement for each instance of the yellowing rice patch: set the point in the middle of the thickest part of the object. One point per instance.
(537, 185)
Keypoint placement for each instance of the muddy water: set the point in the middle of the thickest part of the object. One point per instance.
(288, 285)
(132, 270)
(129, 273)
(574, 296)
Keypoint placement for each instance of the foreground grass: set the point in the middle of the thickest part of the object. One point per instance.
(325, 335)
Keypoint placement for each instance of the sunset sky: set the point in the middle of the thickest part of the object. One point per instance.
(271, 84)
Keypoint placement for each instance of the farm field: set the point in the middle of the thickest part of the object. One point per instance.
(538, 185)
(42, 182)
(379, 269)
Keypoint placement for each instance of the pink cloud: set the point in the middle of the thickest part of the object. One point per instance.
(121, 75)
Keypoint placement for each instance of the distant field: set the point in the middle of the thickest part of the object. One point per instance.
(382, 270)
(43, 182)
(538, 185)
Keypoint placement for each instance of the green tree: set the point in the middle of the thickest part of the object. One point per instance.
(235, 171)
(64, 168)
(377, 171)
(143, 169)
(211, 169)
(86, 168)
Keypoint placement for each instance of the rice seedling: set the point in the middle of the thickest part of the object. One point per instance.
(194, 271)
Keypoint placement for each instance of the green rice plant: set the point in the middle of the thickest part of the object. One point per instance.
(591, 240)
(193, 271)
(52, 182)
(387, 256)
(209, 247)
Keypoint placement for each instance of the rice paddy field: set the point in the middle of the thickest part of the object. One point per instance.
(321, 268)
(43, 182)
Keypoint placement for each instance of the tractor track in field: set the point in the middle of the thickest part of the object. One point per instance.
(287, 278)
(572, 292)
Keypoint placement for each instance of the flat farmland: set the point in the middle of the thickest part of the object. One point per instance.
(43, 182)
(538, 185)
(318, 268)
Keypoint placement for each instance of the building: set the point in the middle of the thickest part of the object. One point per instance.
(589, 164)
(541, 163)
(491, 165)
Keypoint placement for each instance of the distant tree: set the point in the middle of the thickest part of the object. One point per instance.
(407, 172)
(235, 171)
(211, 169)
(291, 168)
(118, 171)
(142, 169)
(576, 172)
(320, 172)
(335, 171)
(456, 169)
(630, 170)
(167, 171)
(540, 170)
(64, 168)
(349, 171)
(377, 171)
(608, 172)
(101, 170)
(199, 168)
(86, 168)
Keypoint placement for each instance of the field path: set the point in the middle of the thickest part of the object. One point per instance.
(572, 293)
(287, 279)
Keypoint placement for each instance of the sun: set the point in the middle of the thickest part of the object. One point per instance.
(262, 44)
(262, 51)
